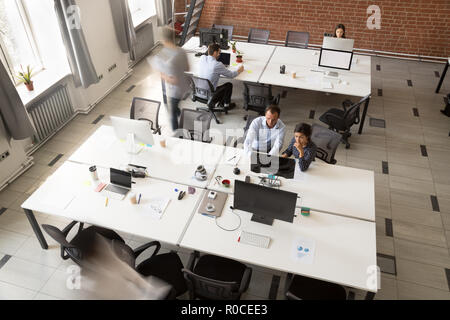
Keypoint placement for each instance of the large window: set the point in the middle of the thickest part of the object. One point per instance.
(16, 38)
(141, 10)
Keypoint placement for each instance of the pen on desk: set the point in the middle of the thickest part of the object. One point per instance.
(139, 200)
(232, 158)
(106, 202)
(239, 240)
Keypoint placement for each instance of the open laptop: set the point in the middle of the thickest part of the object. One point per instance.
(225, 58)
(278, 166)
(120, 184)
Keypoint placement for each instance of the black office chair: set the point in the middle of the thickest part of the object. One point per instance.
(165, 266)
(327, 141)
(257, 97)
(303, 288)
(146, 109)
(203, 91)
(195, 125)
(216, 278)
(341, 120)
(229, 28)
(258, 36)
(297, 39)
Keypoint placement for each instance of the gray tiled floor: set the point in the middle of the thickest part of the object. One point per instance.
(421, 236)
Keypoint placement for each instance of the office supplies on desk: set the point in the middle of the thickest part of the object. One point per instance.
(200, 173)
(218, 203)
(106, 202)
(233, 159)
(226, 183)
(247, 179)
(120, 184)
(139, 198)
(100, 187)
(93, 171)
(303, 250)
(191, 190)
(305, 211)
(236, 171)
(218, 180)
(257, 240)
(283, 69)
(181, 195)
(157, 206)
(133, 198)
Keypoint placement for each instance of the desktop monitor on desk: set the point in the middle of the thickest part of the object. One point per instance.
(272, 165)
(338, 43)
(336, 59)
(134, 131)
(265, 203)
(214, 35)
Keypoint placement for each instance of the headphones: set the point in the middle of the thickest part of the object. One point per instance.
(200, 173)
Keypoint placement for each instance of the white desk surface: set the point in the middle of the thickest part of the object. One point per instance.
(89, 207)
(351, 83)
(255, 58)
(323, 187)
(175, 163)
(344, 247)
(310, 58)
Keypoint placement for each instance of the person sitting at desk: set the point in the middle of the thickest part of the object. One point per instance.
(339, 31)
(266, 134)
(212, 69)
(301, 146)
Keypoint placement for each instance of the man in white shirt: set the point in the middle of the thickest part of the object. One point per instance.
(212, 69)
(266, 134)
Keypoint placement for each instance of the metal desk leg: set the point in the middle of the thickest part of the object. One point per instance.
(163, 85)
(363, 118)
(442, 78)
(36, 228)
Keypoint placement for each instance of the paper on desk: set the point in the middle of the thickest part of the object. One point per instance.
(303, 250)
(232, 159)
(298, 174)
(157, 206)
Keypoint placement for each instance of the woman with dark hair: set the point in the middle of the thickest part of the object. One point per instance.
(339, 31)
(301, 146)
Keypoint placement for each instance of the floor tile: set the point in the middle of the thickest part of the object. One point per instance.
(412, 291)
(12, 292)
(436, 256)
(413, 185)
(422, 274)
(419, 233)
(417, 216)
(10, 242)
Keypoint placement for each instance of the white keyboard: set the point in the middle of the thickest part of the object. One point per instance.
(254, 239)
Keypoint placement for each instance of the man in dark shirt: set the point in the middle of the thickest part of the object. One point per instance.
(301, 146)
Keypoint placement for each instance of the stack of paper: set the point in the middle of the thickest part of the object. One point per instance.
(157, 206)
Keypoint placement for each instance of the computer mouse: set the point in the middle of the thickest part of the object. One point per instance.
(236, 171)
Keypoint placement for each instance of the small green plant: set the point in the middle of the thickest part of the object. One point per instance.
(24, 76)
(233, 45)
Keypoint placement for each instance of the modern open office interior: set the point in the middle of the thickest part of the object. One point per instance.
(224, 150)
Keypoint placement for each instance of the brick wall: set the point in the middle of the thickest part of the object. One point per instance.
(407, 26)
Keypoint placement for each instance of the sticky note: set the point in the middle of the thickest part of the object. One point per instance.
(249, 71)
(87, 183)
(234, 64)
(142, 144)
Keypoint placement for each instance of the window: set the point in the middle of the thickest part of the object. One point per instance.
(16, 39)
(141, 10)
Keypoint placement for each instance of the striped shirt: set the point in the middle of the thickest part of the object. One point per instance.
(309, 154)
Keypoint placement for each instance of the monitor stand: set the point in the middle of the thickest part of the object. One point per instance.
(131, 145)
(263, 220)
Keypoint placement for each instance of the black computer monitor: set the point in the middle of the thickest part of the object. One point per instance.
(278, 166)
(225, 58)
(265, 203)
(214, 35)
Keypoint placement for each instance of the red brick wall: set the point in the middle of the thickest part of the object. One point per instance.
(407, 26)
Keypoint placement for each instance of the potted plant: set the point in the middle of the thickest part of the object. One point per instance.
(239, 56)
(233, 46)
(25, 77)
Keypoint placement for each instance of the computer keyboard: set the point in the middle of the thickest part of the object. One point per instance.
(254, 239)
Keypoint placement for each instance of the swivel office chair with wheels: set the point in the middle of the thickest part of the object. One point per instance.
(203, 91)
(297, 39)
(341, 120)
(327, 142)
(258, 36)
(148, 110)
(257, 97)
(195, 125)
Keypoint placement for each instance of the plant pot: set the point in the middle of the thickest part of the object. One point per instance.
(29, 86)
(234, 50)
(239, 59)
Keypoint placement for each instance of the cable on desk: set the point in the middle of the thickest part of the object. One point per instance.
(240, 220)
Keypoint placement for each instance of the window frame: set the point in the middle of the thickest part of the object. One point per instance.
(24, 16)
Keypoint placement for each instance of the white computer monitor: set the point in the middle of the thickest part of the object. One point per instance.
(338, 43)
(139, 129)
(336, 59)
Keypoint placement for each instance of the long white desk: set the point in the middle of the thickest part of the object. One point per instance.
(255, 57)
(176, 163)
(69, 193)
(323, 187)
(345, 248)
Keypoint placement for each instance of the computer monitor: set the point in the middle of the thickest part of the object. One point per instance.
(139, 131)
(338, 43)
(265, 203)
(336, 59)
(225, 58)
(214, 35)
(273, 165)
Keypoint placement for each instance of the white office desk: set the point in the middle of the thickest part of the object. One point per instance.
(323, 187)
(176, 163)
(88, 206)
(255, 58)
(344, 248)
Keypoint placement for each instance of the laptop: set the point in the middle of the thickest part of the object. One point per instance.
(120, 184)
(278, 166)
(225, 58)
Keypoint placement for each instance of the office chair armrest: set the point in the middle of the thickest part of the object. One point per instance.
(291, 296)
(190, 265)
(276, 100)
(69, 227)
(347, 103)
(144, 247)
(332, 117)
(245, 280)
(58, 236)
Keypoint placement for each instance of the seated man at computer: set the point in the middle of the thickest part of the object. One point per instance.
(266, 133)
(212, 69)
(301, 146)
